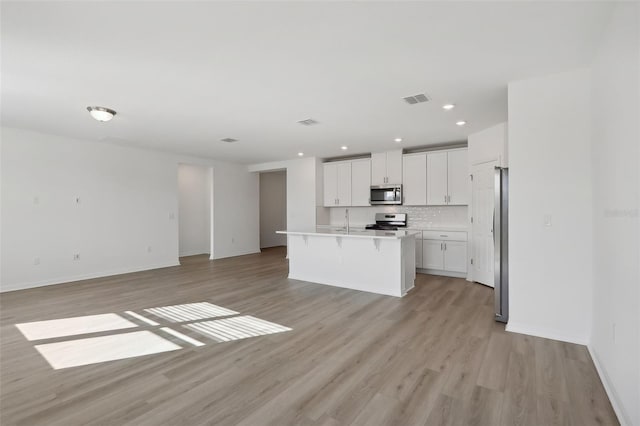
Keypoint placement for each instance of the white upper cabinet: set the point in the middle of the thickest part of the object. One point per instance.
(437, 178)
(394, 167)
(344, 184)
(414, 179)
(378, 168)
(360, 182)
(330, 184)
(386, 167)
(458, 177)
(447, 178)
(347, 183)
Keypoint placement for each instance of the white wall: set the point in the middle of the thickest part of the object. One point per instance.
(550, 274)
(302, 187)
(273, 208)
(616, 189)
(489, 144)
(128, 202)
(194, 209)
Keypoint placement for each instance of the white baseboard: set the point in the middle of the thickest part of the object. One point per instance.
(623, 418)
(442, 273)
(240, 253)
(193, 253)
(514, 327)
(72, 278)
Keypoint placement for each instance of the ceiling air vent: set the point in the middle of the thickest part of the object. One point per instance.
(308, 122)
(229, 140)
(416, 99)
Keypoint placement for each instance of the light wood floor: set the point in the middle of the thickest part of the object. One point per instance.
(435, 357)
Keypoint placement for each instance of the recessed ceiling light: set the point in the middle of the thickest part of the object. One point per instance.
(448, 106)
(343, 148)
(397, 140)
(300, 154)
(101, 113)
(461, 123)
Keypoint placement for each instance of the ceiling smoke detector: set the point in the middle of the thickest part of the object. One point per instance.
(308, 122)
(229, 140)
(416, 99)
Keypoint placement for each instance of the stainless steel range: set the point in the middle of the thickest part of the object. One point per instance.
(389, 221)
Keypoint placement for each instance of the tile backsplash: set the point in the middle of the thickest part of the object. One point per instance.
(417, 217)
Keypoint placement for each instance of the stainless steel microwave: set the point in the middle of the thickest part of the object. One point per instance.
(386, 194)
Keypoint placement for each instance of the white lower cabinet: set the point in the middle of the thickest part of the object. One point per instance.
(455, 256)
(419, 251)
(444, 253)
(432, 255)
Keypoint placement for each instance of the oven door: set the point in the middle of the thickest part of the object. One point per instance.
(386, 194)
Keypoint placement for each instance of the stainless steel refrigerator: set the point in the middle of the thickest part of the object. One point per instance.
(501, 244)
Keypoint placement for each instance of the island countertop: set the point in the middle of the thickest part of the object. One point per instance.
(353, 233)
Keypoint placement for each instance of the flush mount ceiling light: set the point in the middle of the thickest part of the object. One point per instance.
(461, 123)
(397, 140)
(448, 107)
(300, 154)
(101, 113)
(344, 148)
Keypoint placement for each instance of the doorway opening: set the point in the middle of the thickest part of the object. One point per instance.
(273, 208)
(195, 210)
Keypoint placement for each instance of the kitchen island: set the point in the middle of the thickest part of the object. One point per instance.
(380, 262)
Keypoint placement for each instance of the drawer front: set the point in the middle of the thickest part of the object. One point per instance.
(445, 235)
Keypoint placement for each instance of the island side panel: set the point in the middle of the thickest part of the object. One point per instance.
(408, 264)
(366, 264)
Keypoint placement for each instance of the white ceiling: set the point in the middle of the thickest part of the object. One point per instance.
(182, 75)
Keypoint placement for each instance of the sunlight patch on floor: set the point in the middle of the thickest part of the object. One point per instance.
(123, 345)
(50, 329)
(190, 312)
(93, 350)
(236, 328)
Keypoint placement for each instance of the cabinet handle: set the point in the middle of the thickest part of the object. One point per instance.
(445, 199)
(440, 246)
(445, 246)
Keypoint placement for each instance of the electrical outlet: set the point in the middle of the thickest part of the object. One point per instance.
(77, 199)
(36, 200)
(233, 240)
(172, 216)
(76, 256)
(148, 249)
(547, 220)
(36, 260)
